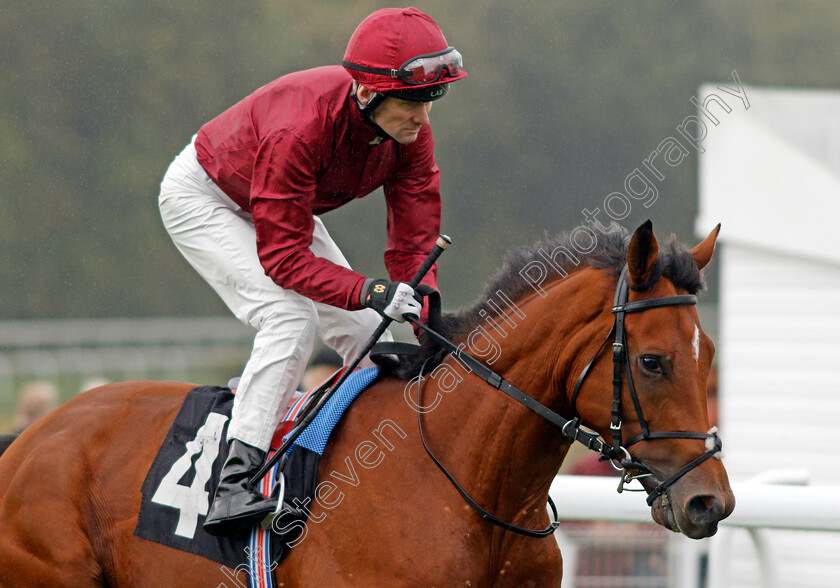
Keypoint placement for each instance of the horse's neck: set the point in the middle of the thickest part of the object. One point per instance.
(506, 454)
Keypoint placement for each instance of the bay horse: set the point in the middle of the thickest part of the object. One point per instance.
(70, 484)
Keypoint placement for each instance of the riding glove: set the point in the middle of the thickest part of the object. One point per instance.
(391, 299)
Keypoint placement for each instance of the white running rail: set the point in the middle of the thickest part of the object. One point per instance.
(781, 499)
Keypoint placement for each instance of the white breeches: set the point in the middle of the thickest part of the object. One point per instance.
(219, 240)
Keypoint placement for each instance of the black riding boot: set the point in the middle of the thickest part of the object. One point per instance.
(237, 504)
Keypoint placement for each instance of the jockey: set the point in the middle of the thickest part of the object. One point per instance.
(241, 203)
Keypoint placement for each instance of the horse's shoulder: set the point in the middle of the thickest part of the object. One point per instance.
(383, 397)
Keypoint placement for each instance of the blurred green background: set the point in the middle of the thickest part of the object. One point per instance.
(563, 101)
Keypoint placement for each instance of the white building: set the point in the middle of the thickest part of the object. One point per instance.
(770, 174)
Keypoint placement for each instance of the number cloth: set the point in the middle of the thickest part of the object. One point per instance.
(183, 478)
(176, 495)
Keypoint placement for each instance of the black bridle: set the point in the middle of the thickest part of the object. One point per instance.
(621, 307)
(617, 453)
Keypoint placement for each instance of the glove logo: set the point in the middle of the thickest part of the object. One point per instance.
(379, 288)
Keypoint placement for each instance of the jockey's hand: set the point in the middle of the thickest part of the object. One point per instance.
(392, 299)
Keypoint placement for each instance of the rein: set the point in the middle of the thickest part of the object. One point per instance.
(486, 515)
(617, 452)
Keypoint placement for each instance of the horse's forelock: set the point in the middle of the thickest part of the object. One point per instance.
(680, 267)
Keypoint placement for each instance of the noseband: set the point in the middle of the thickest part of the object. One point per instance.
(617, 453)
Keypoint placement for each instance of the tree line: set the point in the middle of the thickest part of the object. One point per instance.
(564, 100)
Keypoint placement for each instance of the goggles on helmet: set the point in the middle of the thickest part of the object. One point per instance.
(423, 69)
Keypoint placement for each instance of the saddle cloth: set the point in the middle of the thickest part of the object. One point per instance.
(182, 480)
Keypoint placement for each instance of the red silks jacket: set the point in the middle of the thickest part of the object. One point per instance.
(298, 147)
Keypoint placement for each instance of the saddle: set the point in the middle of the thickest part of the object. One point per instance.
(183, 477)
(182, 480)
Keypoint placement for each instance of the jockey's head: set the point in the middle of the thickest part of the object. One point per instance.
(401, 53)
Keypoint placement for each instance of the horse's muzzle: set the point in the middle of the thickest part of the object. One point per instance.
(696, 517)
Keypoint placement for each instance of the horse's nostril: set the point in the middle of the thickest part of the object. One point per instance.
(704, 509)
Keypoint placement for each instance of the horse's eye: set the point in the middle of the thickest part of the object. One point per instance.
(651, 364)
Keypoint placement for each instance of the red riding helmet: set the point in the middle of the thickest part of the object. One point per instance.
(400, 51)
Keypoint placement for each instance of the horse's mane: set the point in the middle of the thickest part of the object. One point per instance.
(610, 254)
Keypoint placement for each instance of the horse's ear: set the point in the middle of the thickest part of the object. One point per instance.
(642, 254)
(702, 253)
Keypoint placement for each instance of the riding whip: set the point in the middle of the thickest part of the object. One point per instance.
(440, 246)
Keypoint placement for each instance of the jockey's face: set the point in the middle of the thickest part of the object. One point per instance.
(401, 119)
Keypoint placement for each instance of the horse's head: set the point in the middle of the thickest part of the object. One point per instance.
(657, 411)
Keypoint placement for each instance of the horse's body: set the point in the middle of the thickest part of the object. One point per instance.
(75, 486)
(70, 485)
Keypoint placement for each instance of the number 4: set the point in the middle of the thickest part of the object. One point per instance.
(192, 500)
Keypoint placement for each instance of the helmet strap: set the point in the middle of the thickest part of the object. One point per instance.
(369, 109)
